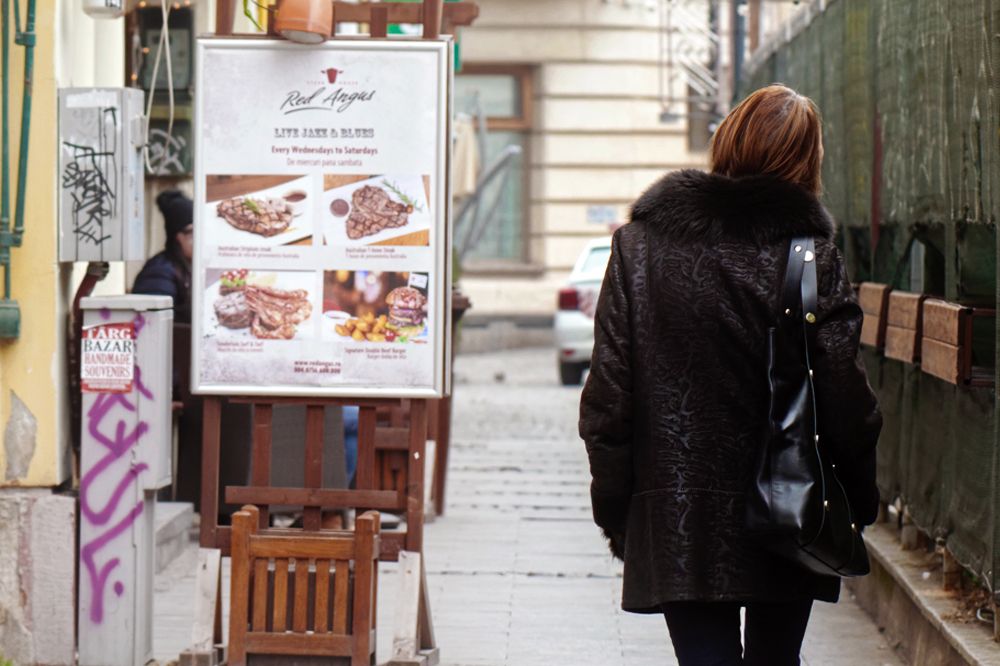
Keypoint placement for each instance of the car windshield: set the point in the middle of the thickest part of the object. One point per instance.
(597, 260)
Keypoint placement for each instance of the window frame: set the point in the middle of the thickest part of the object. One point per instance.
(524, 123)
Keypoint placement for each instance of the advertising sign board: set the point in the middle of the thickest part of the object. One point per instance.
(107, 358)
(322, 218)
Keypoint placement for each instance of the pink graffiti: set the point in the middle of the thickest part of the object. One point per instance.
(137, 323)
(117, 445)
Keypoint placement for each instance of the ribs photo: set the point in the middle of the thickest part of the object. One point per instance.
(277, 311)
(256, 216)
(374, 211)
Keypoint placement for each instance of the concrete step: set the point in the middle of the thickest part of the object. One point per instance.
(905, 596)
(173, 531)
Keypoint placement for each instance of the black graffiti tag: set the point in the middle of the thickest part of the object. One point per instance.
(91, 179)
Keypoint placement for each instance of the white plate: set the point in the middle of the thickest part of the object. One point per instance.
(335, 228)
(221, 232)
(304, 330)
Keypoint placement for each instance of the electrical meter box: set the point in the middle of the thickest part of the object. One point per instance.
(101, 174)
(126, 355)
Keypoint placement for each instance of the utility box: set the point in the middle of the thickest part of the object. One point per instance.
(102, 132)
(126, 372)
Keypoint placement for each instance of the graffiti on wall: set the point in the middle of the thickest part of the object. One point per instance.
(90, 178)
(107, 424)
(170, 152)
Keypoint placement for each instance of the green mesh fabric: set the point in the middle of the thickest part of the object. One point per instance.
(913, 76)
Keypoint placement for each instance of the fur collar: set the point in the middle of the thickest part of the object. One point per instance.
(693, 205)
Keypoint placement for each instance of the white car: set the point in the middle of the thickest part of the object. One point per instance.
(574, 321)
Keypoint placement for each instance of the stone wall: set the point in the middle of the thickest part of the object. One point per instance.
(37, 564)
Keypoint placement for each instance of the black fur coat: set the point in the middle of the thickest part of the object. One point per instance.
(676, 402)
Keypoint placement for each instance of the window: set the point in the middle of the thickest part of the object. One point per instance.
(501, 93)
(597, 260)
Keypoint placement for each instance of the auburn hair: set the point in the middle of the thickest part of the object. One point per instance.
(774, 131)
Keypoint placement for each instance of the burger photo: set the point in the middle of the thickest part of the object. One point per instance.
(407, 311)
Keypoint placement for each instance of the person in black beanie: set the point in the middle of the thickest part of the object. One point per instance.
(169, 272)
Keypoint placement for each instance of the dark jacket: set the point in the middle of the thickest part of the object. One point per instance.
(162, 275)
(677, 398)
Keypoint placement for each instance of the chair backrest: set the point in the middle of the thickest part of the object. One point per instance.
(296, 593)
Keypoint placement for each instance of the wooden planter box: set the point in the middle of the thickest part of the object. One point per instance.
(874, 303)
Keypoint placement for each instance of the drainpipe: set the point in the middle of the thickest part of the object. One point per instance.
(10, 313)
(27, 40)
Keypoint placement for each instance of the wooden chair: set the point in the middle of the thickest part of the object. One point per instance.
(946, 346)
(904, 330)
(326, 609)
(874, 303)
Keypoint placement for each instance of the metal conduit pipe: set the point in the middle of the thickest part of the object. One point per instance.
(10, 313)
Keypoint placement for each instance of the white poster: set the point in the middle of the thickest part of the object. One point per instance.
(322, 243)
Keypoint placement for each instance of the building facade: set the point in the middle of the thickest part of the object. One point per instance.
(586, 81)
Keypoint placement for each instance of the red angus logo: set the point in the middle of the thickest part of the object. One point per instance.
(331, 74)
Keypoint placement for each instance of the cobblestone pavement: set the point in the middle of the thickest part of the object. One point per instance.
(518, 574)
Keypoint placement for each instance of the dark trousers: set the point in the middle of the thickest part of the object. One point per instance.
(708, 633)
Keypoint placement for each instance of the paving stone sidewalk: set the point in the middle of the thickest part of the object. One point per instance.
(518, 574)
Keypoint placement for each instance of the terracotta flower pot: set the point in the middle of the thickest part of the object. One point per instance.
(305, 21)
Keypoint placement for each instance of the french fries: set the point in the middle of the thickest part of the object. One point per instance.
(368, 327)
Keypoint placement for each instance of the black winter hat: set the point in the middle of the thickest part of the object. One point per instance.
(177, 209)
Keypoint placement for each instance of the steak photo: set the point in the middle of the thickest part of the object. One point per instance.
(233, 311)
(373, 211)
(256, 216)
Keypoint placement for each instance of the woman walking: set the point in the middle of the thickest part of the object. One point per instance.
(676, 404)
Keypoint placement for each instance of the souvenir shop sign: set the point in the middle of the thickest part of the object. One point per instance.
(107, 358)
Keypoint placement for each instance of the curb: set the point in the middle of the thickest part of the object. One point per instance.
(173, 524)
(905, 596)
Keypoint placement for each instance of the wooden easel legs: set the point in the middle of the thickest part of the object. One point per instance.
(206, 633)
(413, 641)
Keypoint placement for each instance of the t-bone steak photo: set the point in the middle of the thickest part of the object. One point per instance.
(373, 212)
(233, 311)
(256, 216)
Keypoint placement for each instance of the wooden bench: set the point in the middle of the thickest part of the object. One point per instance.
(296, 593)
(946, 347)
(904, 327)
(874, 303)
